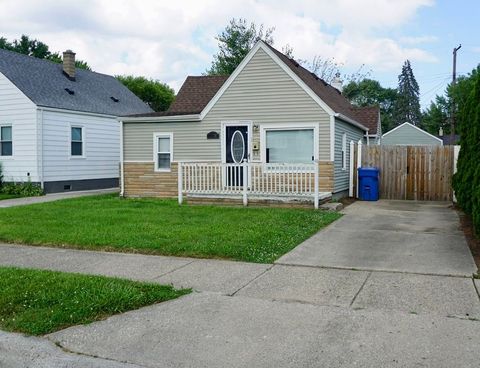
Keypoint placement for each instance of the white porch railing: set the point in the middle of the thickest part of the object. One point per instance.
(249, 179)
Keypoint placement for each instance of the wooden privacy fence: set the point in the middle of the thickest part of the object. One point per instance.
(412, 172)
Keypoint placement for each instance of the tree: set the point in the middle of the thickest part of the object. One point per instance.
(407, 105)
(369, 92)
(36, 48)
(157, 95)
(235, 42)
(466, 182)
(437, 116)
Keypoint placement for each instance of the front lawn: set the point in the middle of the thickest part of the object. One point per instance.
(39, 302)
(8, 196)
(156, 226)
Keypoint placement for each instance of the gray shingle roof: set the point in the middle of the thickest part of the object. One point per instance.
(44, 83)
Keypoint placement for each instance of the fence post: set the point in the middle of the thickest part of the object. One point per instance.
(456, 151)
(180, 183)
(359, 160)
(316, 184)
(351, 168)
(245, 183)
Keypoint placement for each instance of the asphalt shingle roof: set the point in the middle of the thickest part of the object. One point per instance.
(44, 83)
(368, 116)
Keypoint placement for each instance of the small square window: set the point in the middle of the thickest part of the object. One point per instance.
(163, 152)
(76, 144)
(6, 142)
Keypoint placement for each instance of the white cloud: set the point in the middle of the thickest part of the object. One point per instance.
(169, 40)
(416, 40)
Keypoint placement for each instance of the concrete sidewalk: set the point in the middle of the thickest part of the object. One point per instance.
(53, 197)
(254, 315)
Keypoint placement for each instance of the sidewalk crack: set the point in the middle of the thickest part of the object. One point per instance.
(360, 289)
(252, 280)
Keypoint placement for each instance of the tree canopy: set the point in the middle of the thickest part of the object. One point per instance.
(369, 92)
(466, 181)
(157, 95)
(235, 42)
(33, 47)
(407, 104)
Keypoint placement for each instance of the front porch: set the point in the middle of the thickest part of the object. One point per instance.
(282, 183)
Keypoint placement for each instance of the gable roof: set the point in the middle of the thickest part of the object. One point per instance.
(44, 83)
(368, 116)
(407, 124)
(323, 93)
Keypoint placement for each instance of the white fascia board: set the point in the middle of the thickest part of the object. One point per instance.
(230, 79)
(413, 126)
(75, 112)
(280, 63)
(351, 121)
(159, 119)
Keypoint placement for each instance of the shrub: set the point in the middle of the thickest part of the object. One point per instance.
(466, 181)
(27, 189)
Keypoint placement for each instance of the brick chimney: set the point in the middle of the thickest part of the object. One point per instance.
(337, 82)
(69, 64)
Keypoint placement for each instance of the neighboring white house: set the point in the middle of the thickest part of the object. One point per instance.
(58, 124)
(408, 134)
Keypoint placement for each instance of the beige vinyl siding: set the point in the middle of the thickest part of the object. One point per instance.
(409, 135)
(341, 177)
(262, 93)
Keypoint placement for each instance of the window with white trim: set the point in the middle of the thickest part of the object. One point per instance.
(289, 145)
(76, 142)
(6, 141)
(344, 151)
(163, 152)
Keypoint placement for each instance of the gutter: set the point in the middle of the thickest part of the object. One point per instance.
(122, 171)
(351, 121)
(159, 119)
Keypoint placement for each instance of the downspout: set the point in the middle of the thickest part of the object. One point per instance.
(40, 143)
(122, 175)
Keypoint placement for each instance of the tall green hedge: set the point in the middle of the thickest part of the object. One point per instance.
(466, 181)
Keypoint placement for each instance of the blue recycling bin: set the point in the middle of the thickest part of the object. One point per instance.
(368, 183)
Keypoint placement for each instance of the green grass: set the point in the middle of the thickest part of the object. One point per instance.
(155, 226)
(39, 302)
(8, 196)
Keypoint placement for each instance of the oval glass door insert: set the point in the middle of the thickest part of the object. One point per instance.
(238, 147)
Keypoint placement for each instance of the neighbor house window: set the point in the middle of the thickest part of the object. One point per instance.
(6, 144)
(289, 146)
(344, 151)
(163, 150)
(76, 141)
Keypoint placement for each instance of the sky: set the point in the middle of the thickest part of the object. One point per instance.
(168, 40)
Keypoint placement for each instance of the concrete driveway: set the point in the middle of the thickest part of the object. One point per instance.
(396, 236)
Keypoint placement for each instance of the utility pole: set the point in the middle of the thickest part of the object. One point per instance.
(454, 81)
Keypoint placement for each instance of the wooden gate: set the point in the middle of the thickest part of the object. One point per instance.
(412, 172)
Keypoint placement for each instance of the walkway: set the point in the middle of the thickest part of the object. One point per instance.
(53, 197)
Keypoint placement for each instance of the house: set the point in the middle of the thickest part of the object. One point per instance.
(58, 124)
(370, 117)
(270, 130)
(408, 134)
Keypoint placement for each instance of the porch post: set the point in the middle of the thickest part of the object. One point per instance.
(352, 169)
(180, 183)
(245, 183)
(316, 184)
(359, 161)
